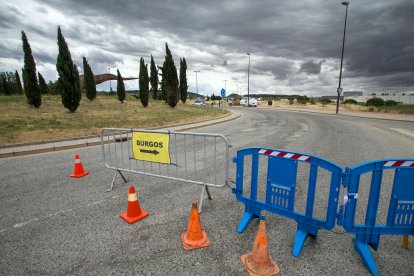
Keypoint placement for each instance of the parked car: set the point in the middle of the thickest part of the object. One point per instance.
(199, 103)
(252, 102)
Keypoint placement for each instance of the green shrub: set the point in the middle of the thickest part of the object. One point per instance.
(390, 103)
(350, 101)
(325, 101)
(375, 102)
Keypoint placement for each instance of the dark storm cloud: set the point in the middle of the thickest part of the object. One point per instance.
(286, 37)
(311, 67)
(9, 16)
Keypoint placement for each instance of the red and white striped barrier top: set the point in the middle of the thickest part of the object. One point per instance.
(285, 155)
(398, 163)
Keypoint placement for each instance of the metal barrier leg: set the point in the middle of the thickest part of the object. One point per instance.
(363, 250)
(113, 179)
(202, 197)
(405, 242)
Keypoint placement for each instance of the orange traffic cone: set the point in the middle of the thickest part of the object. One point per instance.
(78, 171)
(195, 237)
(258, 262)
(134, 212)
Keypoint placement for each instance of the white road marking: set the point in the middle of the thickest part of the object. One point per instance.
(404, 131)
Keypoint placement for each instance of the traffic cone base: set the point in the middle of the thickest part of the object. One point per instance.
(78, 171)
(134, 212)
(132, 220)
(258, 262)
(195, 237)
(79, 175)
(190, 245)
(273, 269)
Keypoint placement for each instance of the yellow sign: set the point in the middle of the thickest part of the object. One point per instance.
(151, 147)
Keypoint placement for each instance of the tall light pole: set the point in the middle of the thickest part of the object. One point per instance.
(225, 82)
(110, 83)
(248, 82)
(197, 80)
(339, 89)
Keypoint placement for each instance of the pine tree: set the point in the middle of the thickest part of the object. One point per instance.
(89, 80)
(154, 79)
(183, 80)
(19, 88)
(30, 78)
(143, 83)
(120, 88)
(44, 89)
(68, 76)
(170, 79)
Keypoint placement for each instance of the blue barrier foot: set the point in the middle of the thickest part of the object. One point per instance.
(247, 217)
(368, 260)
(300, 239)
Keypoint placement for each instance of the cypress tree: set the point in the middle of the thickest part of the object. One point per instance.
(30, 78)
(154, 79)
(19, 88)
(170, 79)
(143, 83)
(183, 80)
(89, 80)
(68, 76)
(25, 85)
(77, 81)
(120, 88)
(44, 89)
(162, 96)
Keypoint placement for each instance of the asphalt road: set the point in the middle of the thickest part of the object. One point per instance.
(53, 224)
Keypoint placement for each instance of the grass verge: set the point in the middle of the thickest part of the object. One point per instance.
(21, 123)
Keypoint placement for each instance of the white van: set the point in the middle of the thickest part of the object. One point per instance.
(252, 102)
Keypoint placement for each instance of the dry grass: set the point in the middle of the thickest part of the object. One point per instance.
(21, 123)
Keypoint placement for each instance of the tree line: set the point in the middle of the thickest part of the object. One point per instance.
(68, 84)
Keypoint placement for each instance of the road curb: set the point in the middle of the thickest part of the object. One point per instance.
(95, 143)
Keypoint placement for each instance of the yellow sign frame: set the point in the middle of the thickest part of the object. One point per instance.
(151, 147)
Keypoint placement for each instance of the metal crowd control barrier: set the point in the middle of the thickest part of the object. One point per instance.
(196, 158)
(400, 218)
(280, 190)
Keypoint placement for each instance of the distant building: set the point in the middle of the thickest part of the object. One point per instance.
(353, 93)
(403, 97)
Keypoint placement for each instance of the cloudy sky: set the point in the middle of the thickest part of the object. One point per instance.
(295, 46)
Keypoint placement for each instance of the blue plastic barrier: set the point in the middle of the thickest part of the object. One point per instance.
(400, 218)
(281, 187)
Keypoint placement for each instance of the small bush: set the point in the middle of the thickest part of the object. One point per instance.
(390, 103)
(375, 102)
(325, 101)
(350, 101)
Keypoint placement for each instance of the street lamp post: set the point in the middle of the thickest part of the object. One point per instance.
(248, 82)
(197, 80)
(225, 89)
(339, 89)
(110, 83)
